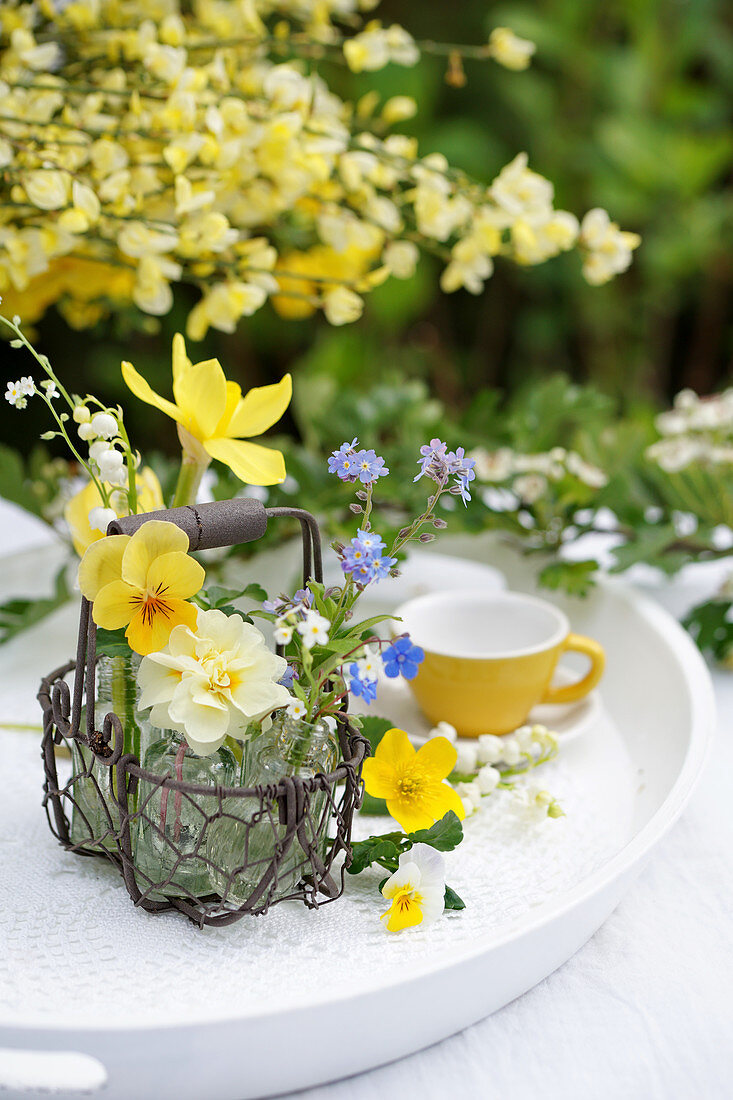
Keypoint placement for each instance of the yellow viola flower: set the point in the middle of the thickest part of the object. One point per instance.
(413, 782)
(76, 512)
(142, 581)
(416, 889)
(213, 415)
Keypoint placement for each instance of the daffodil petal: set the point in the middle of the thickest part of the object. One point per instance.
(180, 359)
(201, 396)
(101, 564)
(252, 464)
(144, 392)
(154, 538)
(234, 396)
(260, 409)
(149, 633)
(114, 605)
(175, 574)
(437, 756)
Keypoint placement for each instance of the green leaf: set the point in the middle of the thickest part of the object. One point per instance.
(361, 628)
(372, 805)
(648, 545)
(112, 643)
(219, 597)
(444, 835)
(573, 577)
(255, 591)
(374, 729)
(711, 625)
(366, 852)
(340, 646)
(451, 900)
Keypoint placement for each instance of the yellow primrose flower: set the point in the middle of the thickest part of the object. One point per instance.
(212, 415)
(416, 889)
(142, 581)
(76, 513)
(413, 782)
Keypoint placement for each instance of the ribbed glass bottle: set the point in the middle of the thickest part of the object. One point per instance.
(170, 842)
(95, 818)
(241, 844)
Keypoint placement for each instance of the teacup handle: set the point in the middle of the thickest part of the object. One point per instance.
(570, 693)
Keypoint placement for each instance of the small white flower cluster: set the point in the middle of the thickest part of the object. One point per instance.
(481, 761)
(17, 393)
(309, 624)
(101, 431)
(531, 474)
(533, 803)
(695, 429)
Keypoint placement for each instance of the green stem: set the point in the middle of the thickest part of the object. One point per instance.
(189, 480)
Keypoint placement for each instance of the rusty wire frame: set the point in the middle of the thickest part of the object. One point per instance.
(288, 835)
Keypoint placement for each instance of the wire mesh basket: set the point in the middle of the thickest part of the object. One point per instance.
(219, 851)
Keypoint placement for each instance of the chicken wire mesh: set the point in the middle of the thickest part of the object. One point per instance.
(212, 852)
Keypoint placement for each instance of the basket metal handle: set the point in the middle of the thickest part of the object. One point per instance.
(231, 523)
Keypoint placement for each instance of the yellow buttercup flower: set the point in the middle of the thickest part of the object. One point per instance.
(413, 782)
(213, 415)
(142, 581)
(76, 513)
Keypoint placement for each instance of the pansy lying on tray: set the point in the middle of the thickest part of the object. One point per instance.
(429, 791)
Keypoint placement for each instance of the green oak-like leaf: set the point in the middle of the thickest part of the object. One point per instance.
(366, 852)
(444, 835)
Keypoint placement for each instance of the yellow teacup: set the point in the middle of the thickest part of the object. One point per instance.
(490, 658)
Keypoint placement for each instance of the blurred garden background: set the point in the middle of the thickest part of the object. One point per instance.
(626, 106)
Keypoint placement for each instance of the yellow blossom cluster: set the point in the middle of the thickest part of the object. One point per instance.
(145, 144)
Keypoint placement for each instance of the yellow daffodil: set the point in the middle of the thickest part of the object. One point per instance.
(213, 416)
(413, 782)
(142, 581)
(76, 513)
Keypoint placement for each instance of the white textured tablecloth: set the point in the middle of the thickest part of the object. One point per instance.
(643, 1012)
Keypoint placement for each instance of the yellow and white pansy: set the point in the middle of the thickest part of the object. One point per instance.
(211, 680)
(142, 582)
(416, 891)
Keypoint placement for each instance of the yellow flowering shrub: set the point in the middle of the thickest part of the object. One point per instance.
(147, 144)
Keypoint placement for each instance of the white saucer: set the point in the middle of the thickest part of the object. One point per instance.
(396, 702)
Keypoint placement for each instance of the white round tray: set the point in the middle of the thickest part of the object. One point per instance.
(151, 1006)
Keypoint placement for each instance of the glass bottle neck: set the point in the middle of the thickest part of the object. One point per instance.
(117, 676)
